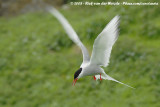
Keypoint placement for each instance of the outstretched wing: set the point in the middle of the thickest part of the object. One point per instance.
(103, 44)
(69, 30)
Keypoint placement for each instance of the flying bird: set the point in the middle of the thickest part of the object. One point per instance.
(91, 66)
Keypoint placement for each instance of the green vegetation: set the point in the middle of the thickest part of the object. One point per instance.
(38, 60)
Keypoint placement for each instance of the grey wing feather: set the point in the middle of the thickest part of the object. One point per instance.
(103, 44)
(70, 32)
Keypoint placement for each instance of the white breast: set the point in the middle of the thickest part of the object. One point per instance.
(91, 70)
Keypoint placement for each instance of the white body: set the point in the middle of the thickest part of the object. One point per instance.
(91, 70)
(101, 49)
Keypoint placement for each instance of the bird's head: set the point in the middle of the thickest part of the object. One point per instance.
(76, 75)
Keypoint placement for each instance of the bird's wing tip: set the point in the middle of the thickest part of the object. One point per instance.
(117, 16)
(49, 8)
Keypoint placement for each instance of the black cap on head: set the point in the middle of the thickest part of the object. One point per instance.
(76, 74)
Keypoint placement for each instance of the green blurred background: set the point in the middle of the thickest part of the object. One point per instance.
(38, 60)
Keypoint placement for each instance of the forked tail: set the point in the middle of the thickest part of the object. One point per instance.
(107, 77)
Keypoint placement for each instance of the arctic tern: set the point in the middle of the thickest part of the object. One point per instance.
(91, 66)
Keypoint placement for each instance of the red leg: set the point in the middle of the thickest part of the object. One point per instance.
(94, 77)
(100, 77)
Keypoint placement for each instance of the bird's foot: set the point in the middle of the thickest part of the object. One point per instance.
(94, 77)
(100, 77)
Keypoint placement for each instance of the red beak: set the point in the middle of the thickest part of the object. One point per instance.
(74, 81)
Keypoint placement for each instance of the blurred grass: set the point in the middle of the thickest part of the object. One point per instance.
(38, 60)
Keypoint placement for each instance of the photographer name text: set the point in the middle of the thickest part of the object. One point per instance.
(112, 3)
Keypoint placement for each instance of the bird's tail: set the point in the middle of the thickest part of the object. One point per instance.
(107, 77)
